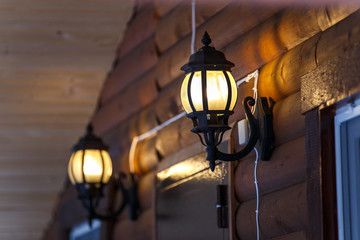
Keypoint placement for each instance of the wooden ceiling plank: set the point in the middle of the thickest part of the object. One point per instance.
(59, 62)
(53, 61)
(59, 39)
(90, 6)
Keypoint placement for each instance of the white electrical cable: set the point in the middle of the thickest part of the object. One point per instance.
(257, 196)
(193, 22)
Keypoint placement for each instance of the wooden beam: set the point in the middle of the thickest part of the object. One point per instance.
(313, 151)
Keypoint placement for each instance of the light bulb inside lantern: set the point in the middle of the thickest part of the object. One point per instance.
(217, 91)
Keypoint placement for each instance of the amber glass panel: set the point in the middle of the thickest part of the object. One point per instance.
(93, 166)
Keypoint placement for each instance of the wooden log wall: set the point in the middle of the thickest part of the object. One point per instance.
(142, 91)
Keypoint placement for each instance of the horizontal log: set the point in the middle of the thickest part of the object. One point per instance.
(141, 26)
(129, 68)
(264, 51)
(280, 213)
(186, 136)
(300, 49)
(168, 103)
(226, 26)
(167, 140)
(288, 121)
(286, 167)
(121, 135)
(126, 103)
(140, 229)
(301, 235)
(170, 30)
(146, 156)
(288, 124)
(277, 35)
(281, 77)
(278, 79)
(163, 8)
(146, 187)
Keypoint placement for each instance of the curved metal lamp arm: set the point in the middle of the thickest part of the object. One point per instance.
(254, 128)
(214, 153)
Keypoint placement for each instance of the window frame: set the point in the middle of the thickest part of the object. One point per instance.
(343, 114)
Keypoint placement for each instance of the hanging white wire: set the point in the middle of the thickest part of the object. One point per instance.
(193, 21)
(257, 196)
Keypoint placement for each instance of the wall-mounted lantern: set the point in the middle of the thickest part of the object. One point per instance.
(90, 169)
(209, 95)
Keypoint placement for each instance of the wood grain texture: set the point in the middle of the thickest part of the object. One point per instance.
(146, 156)
(126, 103)
(281, 212)
(129, 68)
(146, 190)
(288, 120)
(163, 8)
(286, 167)
(331, 82)
(141, 26)
(281, 77)
(170, 30)
(168, 103)
(227, 25)
(273, 37)
(336, 65)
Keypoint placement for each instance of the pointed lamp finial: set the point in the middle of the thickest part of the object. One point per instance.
(206, 40)
(89, 128)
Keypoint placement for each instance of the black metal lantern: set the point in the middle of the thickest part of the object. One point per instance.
(209, 95)
(90, 169)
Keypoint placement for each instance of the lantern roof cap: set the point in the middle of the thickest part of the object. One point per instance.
(89, 141)
(207, 58)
